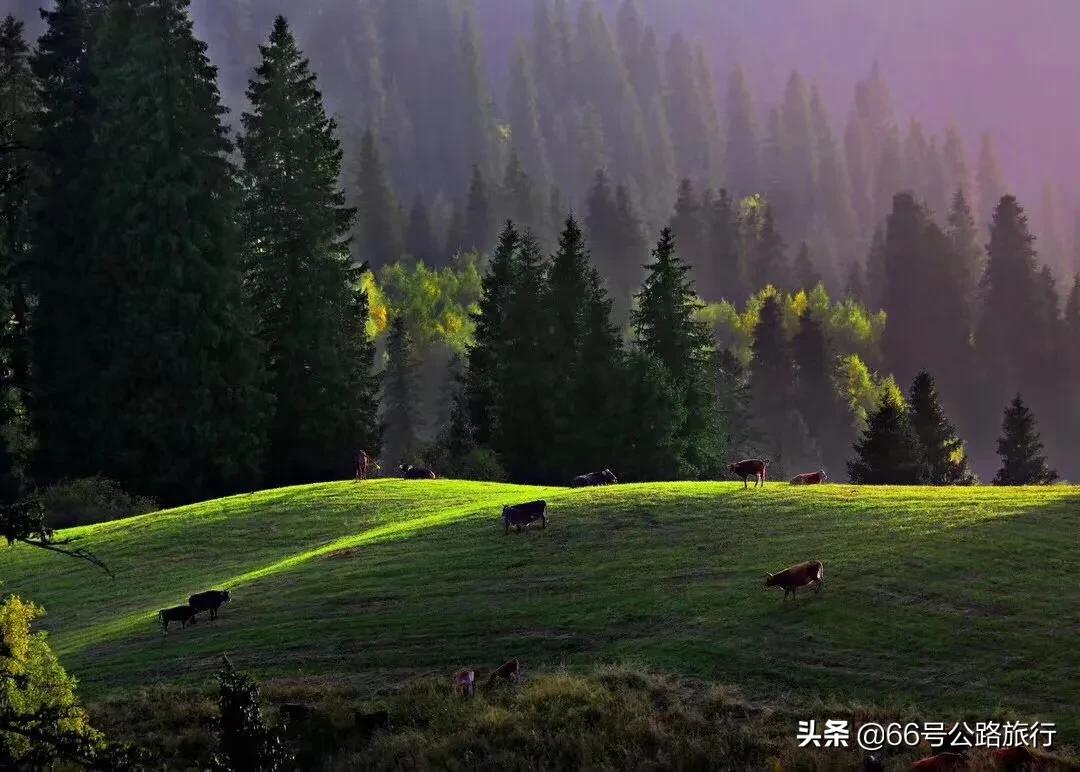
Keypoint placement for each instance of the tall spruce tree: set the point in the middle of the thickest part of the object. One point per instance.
(816, 398)
(943, 451)
(522, 399)
(485, 354)
(1020, 449)
(771, 264)
(180, 410)
(379, 239)
(583, 362)
(518, 196)
(66, 340)
(401, 422)
(311, 311)
(726, 274)
(19, 106)
(479, 216)
(741, 161)
(666, 328)
(420, 240)
(806, 275)
(888, 453)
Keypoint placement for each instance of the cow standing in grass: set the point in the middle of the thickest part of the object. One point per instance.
(603, 477)
(523, 515)
(211, 601)
(181, 614)
(801, 575)
(410, 472)
(751, 467)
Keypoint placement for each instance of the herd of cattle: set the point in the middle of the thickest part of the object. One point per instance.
(809, 573)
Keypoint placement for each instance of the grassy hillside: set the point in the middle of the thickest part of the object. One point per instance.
(961, 601)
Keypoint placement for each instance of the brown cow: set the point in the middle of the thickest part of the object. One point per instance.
(464, 683)
(751, 467)
(1017, 759)
(942, 762)
(507, 671)
(797, 576)
(810, 478)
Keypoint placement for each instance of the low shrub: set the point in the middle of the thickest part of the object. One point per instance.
(90, 500)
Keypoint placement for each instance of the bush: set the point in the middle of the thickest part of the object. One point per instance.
(90, 500)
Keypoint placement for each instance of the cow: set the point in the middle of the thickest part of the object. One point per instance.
(751, 467)
(211, 601)
(797, 576)
(181, 614)
(603, 477)
(507, 671)
(1017, 759)
(942, 762)
(364, 464)
(410, 472)
(810, 478)
(464, 683)
(523, 515)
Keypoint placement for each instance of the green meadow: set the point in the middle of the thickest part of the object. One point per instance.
(957, 602)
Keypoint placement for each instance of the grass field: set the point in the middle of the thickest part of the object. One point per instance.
(964, 602)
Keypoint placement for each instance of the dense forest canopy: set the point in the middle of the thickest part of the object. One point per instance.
(389, 196)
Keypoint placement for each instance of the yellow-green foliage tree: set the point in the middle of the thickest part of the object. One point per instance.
(41, 721)
(863, 390)
(849, 326)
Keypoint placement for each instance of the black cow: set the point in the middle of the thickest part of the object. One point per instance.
(211, 601)
(523, 515)
(410, 472)
(604, 477)
(181, 614)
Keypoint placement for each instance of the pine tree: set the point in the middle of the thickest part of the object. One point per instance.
(666, 328)
(630, 253)
(518, 197)
(687, 114)
(833, 187)
(180, 409)
(479, 217)
(584, 358)
(799, 155)
(966, 249)
(420, 241)
(816, 397)
(652, 446)
(806, 275)
(527, 140)
(726, 274)
(855, 289)
(310, 310)
(401, 424)
(67, 343)
(989, 181)
(741, 160)
(1020, 449)
(945, 462)
(771, 266)
(379, 240)
(687, 223)
(485, 354)
(522, 401)
(19, 106)
(455, 233)
(602, 222)
(888, 453)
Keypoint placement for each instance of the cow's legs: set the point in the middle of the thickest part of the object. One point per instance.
(744, 483)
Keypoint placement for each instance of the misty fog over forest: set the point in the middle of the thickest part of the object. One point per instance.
(832, 170)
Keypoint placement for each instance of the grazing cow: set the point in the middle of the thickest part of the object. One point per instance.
(751, 467)
(942, 762)
(523, 515)
(211, 601)
(1017, 759)
(181, 614)
(464, 683)
(810, 478)
(365, 464)
(797, 576)
(507, 671)
(367, 724)
(410, 472)
(603, 477)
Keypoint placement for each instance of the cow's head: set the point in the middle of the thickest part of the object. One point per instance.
(609, 476)
(405, 468)
(226, 596)
(769, 578)
(824, 476)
